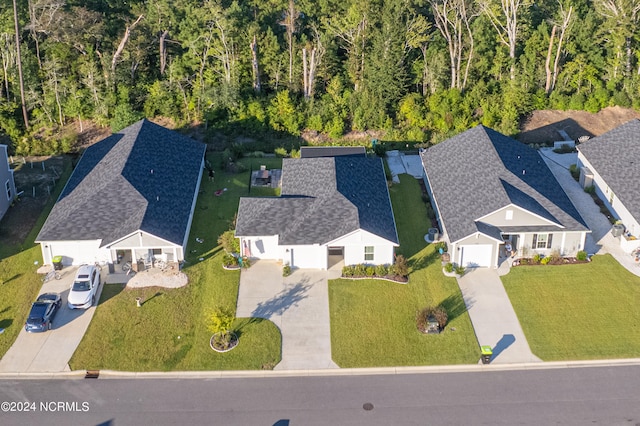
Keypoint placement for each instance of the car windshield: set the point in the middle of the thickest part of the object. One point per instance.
(38, 310)
(81, 286)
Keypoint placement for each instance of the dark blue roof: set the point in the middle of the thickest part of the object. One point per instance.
(141, 178)
(322, 199)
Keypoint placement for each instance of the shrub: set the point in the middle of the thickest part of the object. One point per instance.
(280, 152)
(359, 270)
(370, 271)
(582, 255)
(381, 271)
(286, 270)
(400, 267)
(220, 323)
(575, 172)
(229, 242)
(545, 260)
(441, 245)
(437, 312)
(449, 267)
(246, 262)
(347, 271)
(555, 256)
(590, 190)
(536, 258)
(460, 270)
(229, 260)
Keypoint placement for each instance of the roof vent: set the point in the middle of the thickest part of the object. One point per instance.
(151, 171)
(157, 198)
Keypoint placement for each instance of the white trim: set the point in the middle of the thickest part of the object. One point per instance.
(477, 233)
(169, 243)
(564, 237)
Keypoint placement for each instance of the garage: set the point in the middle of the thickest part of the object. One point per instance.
(476, 255)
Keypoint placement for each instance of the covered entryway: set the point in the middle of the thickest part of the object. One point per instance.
(476, 255)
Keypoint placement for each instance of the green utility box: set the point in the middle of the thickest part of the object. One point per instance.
(487, 353)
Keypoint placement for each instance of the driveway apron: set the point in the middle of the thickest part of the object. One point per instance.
(297, 304)
(600, 240)
(51, 351)
(493, 318)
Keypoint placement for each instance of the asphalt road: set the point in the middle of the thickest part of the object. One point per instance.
(574, 396)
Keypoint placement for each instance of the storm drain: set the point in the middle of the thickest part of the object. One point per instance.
(367, 406)
(92, 374)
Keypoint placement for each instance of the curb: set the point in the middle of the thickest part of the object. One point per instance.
(238, 374)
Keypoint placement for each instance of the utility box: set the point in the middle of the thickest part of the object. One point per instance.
(586, 177)
(487, 353)
(617, 230)
(57, 263)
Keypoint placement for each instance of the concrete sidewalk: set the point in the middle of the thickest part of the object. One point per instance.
(493, 318)
(600, 240)
(297, 304)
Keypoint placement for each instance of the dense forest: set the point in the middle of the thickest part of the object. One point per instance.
(414, 70)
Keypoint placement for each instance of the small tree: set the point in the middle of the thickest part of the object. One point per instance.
(221, 323)
(400, 267)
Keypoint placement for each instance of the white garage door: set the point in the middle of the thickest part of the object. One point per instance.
(476, 255)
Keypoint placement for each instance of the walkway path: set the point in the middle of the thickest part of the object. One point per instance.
(493, 318)
(600, 240)
(298, 305)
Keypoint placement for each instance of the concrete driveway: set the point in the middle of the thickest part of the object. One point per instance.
(297, 304)
(51, 351)
(493, 318)
(600, 240)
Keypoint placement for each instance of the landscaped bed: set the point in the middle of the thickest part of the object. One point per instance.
(582, 311)
(373, 322)
(170, 330)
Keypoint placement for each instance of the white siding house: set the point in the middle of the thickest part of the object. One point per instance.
(131, 197)
(331, 210)
(490, 191)
(7, 184)
(613, 162)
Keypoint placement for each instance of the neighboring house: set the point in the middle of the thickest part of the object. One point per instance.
(611, 162)
(487, 189)
(132, 194)
(7, 182)
(330, 209)
(331, 151)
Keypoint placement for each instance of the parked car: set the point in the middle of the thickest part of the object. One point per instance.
(43, 310)
(84, 288)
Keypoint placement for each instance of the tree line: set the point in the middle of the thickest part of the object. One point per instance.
(418, 70)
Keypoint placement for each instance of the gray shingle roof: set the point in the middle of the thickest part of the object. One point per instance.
(330, 151)
(480, 171)
(322, 199)
(615, 156)
(141, 178)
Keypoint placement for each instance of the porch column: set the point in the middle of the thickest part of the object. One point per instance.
(564, 236)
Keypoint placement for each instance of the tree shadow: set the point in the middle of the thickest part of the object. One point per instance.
(456, 306)
(152, 297)
(550, 132)
(16, 276)
(418, 262)
(5, 323)
(284, 300)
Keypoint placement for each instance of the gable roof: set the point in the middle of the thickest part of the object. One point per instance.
(141, 178)
(330, 151)
(321, 200)
(480, 171)
(615, 156)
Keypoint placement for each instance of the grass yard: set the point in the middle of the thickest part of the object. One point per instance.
(169, 332)
(19, 282)
(584, 311)
(373, 321)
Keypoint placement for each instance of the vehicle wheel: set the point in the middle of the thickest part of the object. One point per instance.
(93, 300)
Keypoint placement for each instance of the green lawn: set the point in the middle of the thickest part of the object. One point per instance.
(585, 311)
(19, 282)
(169, 332)
(373, 321)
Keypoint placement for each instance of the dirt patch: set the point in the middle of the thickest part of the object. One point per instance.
(542, 127)
(35, 183)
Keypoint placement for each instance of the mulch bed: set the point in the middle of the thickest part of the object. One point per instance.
(562, 261)
(394, 278)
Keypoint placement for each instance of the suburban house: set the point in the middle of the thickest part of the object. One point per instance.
(489, 190)
(611, 163)
(131, 196)
(331, 151)
(331, 209)
(7, 182)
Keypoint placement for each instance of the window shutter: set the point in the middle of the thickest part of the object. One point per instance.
(535, 241)
(549, 238)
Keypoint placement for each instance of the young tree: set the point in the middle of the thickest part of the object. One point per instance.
(25, 116)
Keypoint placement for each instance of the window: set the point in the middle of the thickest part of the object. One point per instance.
(368, 253)
(509, 215)
(8, 186)
(542, 241)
